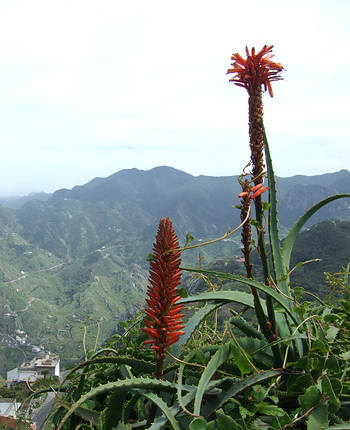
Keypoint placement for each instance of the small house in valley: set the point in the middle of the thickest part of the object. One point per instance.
(39, 367)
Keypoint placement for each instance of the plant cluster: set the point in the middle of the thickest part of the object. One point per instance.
(285, 368)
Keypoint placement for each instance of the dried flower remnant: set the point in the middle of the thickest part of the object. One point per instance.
(163, 322)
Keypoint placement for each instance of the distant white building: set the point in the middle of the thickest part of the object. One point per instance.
(8, 407)
(48, 364)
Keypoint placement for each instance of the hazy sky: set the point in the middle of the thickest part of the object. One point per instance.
(90, 87)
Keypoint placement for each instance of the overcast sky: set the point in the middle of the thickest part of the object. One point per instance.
(90, 87)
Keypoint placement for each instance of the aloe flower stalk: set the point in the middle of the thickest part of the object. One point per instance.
(163, 321)
(253, 73)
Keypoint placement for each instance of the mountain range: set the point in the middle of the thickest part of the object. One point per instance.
(78, 257)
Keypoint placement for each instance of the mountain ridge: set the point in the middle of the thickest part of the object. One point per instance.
(339, 176)
(129, 203)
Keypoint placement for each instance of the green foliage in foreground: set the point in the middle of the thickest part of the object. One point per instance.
(224, 376)
(224, 373)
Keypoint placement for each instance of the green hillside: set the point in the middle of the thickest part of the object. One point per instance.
(328, 241)
(78, 257)
(52, 298)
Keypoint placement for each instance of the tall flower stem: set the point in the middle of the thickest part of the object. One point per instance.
(256, 142)
(253, 73)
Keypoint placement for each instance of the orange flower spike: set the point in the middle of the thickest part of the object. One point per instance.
(163, 324)
(256, 70)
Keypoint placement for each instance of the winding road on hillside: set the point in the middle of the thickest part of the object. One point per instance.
(45, 408)
(25, 274)
(43, 411)
(30, 301)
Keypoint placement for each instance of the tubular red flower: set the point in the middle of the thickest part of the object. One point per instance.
(255, 70)
(259, 192)
(163, 313)
(243, 194)
(256, 187)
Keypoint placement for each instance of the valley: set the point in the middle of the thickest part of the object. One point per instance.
(73, 264)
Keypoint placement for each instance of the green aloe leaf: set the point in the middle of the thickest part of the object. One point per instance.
(246, 328)
(230, 388)
(222, 355)
(140, 365)
(120, 387)
(285, 340)
(220, 296)
(160, 422)
(89, 415)
(292, 235)
(273, 221)
(111, 415)
(237, 296)
(263, 358)
(182, 402)
(164, 408)
(280, 270)
(129, 406)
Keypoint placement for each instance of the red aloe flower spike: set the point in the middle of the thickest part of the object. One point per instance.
(256, 70)
(163, 321)
(253, 73)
